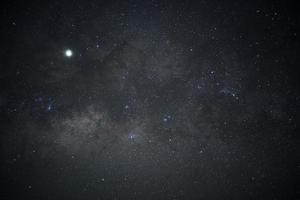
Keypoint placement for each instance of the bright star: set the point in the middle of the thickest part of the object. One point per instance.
(68, 53)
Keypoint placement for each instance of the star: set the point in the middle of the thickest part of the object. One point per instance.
(49, 107)
(68, 53)
(131, 136)
(167, 118)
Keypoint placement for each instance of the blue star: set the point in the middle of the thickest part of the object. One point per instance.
(131, 136)
(38, 99)
(229, 91)
(167, 118)
(49, 107)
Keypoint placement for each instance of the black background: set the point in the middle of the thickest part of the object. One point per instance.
(160, 100)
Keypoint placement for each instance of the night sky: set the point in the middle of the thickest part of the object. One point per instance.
(155, 100)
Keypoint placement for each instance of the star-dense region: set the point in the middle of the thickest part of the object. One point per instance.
(149, 99)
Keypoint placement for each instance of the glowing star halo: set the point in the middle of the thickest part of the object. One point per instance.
(68, 53)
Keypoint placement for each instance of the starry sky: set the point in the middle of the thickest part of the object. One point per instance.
(149, 99)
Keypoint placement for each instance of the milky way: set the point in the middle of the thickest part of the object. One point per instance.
(149, 100)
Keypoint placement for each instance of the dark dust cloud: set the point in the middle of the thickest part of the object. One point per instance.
(149, 99)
